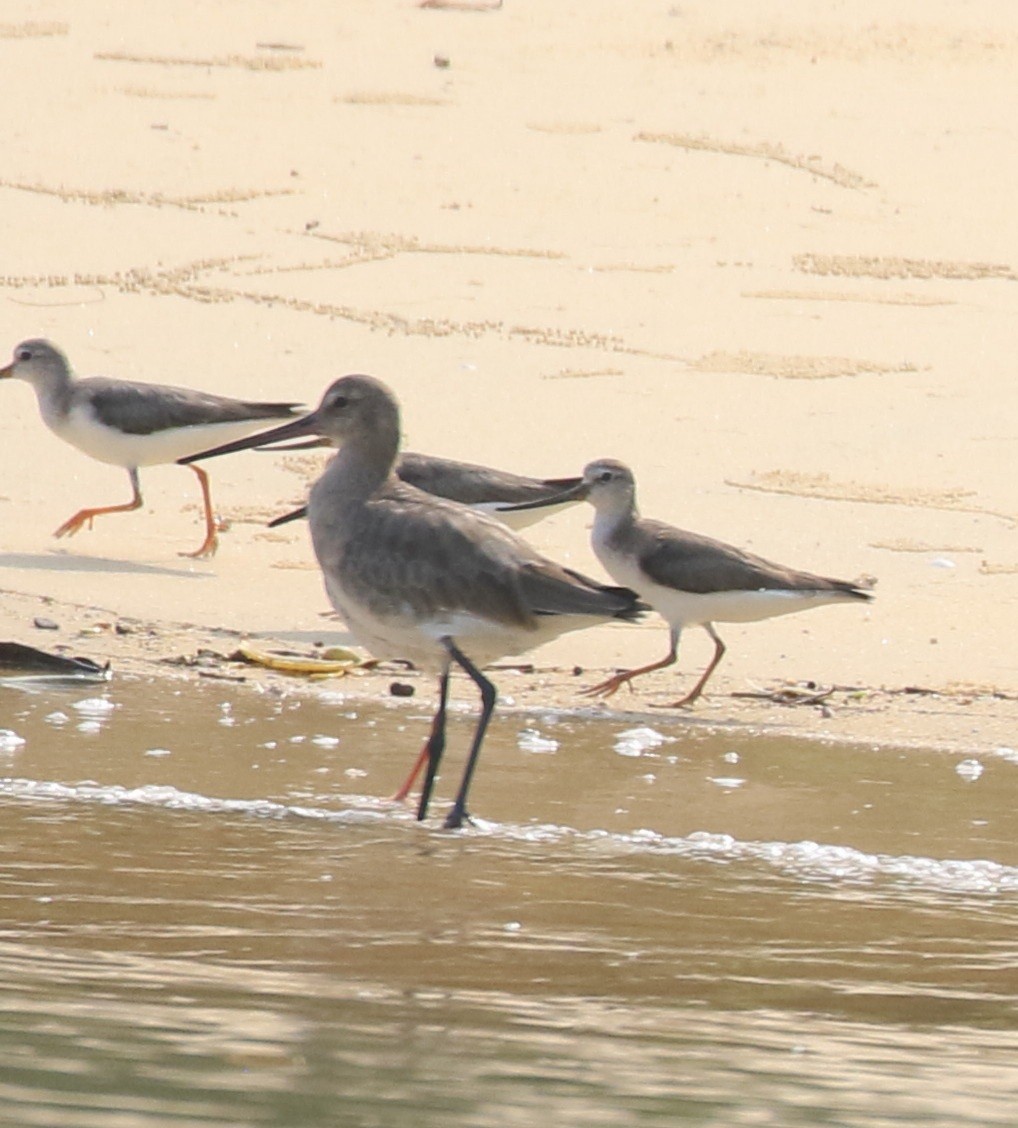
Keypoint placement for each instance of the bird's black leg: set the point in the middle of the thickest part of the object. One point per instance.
(458, 812)
(435, 745)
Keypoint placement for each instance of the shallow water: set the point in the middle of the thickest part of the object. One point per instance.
(209, 915)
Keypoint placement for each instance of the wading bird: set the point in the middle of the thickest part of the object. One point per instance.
(132, 425)
(690, 580)
(419, 577)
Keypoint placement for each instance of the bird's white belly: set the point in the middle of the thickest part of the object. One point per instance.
(83, 430)
(694, 609)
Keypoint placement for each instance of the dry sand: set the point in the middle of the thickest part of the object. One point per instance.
(767, 259)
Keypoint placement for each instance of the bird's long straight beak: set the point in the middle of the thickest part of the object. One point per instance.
(7, 372)
(298, 429)
(307, 444)
(562, 484)
(286, 518)
(575, 492)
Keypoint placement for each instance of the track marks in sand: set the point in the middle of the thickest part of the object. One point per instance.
(106, 196)
(581, 373)
(183, 280)
(307, 467)
(776, 42)
(187, 281)
(394, 98)
(794, 367)
(633, 268)
(166, 95)
(378, 244)
(33, 29)
(229, 515)
(986, 568)
(848, 296)
(462, 5)
(393, 323)
(231, 62)
(290, 565)
(368, 246)
(823, 488)
(903, 544)
(763, 150)
(891, 267)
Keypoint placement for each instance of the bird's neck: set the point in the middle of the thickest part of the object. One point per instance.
(612, 523)
(54, 395)
(362, 465)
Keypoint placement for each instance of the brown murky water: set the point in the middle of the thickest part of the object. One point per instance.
(208, 915)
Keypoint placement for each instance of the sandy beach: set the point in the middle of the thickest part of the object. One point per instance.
(766, 259)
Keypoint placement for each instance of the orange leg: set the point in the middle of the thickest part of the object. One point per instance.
(87, 516)
(614, 683)
(429, 755)
(211, 542)
(407, 786)
(694, 693)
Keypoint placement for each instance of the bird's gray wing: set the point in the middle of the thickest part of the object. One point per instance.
(471, 484)
(694, 563)
(144, 409)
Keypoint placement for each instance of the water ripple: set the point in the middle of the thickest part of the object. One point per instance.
(803, 860)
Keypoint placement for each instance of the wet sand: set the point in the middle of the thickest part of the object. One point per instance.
(770, 262)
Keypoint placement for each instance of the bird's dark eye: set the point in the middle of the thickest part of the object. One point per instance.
(605, 476)
(340, 401)
(24, 354)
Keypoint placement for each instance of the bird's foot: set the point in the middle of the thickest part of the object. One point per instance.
(206, 550)
(682, 703)
(75, 523)
(456, 817)
(606, 688)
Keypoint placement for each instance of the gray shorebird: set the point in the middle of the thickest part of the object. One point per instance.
(420, 577)
(132, 425)
(690, 580)
(482, 488)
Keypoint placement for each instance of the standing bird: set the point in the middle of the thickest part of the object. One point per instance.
(690, 580)
(482, 488)
(132, 425)
(416, 576)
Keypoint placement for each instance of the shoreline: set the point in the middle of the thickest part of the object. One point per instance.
(766, 259)
(963, 720)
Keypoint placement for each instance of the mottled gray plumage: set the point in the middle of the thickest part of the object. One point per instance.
(421, 577)
(384, 565)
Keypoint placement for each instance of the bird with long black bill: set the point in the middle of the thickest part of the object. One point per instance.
(689, 579)
(496, 492)
(419, 577)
